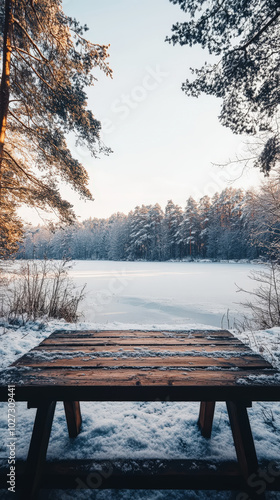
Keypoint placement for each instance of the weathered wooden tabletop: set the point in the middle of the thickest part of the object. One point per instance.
(143, 365)
(205, 366)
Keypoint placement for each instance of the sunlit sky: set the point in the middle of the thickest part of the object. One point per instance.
(164, 142)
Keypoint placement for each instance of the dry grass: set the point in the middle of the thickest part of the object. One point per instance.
(264, 301)
(40, 289)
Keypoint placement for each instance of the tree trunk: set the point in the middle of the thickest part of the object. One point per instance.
(5, 81)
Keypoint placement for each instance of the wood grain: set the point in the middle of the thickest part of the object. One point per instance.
(182, 348)
(132, 365)
(248, 361)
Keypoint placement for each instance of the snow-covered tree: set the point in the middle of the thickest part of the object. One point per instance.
(190, 227)
(118, 236)
(204, 208)
(156, 249)
(172, 221)
(140, 236)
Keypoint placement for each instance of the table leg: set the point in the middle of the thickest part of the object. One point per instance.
(206, 416)
(244, 443)
(38, 449)
(73, 417)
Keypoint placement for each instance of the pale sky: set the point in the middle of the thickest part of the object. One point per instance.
(163, 141)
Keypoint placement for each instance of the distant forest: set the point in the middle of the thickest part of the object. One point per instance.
(222, 227)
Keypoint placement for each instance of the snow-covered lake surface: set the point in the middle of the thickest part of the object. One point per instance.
(172, 293)
(153, 295)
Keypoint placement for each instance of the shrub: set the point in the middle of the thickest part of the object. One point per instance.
(264, 302)
(40, 289)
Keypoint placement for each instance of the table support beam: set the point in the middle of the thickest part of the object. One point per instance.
(206, 416)
(73, 417)
(244, 443)
(242, 437)
(38, 449)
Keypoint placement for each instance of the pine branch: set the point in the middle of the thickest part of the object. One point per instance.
(17, 49)
(36, 73)
(21, 122)
(21, 169)
(262, 30)
(30, 39)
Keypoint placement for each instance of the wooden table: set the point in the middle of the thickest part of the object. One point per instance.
(205, 366)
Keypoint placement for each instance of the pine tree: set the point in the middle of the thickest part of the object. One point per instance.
(244, 37)
(191, 228)
(204, 208)
(156, 250)
(139, 239)
(118, 236)
(46, 66)
(172, 221)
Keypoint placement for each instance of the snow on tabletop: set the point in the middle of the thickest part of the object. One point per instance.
(264, 342)
(16, 342)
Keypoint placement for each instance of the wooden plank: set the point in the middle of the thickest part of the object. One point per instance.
(115, 377)
(38, 449)
(206, 416)
(228, 348)
(139, 333)
(244, 362)
(142, 474)
(73, 417)
(138, 389)
(136, 341)
(112, 334)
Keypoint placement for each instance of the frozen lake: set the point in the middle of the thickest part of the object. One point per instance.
(172, 293)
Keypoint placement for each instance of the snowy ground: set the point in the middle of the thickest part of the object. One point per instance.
(148, 430)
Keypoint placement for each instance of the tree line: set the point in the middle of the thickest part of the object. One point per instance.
(226, 226)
